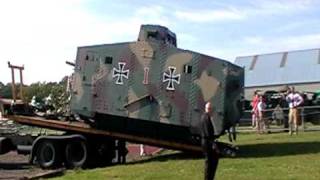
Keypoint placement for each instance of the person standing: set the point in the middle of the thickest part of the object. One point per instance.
(261, 121)
(254, 110)
(278, 115)
(207, 142)
(142, 150)
(294, 100)
(122, 151)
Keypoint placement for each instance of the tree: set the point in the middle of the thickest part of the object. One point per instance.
(5, 91)
(57, 91)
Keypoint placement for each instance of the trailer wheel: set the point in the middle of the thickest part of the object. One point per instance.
(47, 154)
(75, 154)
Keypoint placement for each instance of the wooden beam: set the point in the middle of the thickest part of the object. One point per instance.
(21, 85)
(20, 68)
(13, 86)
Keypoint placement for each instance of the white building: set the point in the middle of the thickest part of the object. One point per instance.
(276, 70)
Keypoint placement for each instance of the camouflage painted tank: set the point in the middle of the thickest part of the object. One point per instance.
(152, 88)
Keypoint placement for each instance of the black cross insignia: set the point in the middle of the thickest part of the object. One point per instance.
(120, 73)
(171, 78)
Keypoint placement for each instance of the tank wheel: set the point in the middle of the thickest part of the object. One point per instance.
(47, 154)
(75, 154)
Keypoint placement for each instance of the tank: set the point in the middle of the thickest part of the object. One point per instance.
(152, 88)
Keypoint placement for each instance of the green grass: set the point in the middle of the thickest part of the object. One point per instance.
(268, 156)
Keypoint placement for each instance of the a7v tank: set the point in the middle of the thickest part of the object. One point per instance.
(150, 87)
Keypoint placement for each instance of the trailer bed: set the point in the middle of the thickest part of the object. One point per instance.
(81, 127)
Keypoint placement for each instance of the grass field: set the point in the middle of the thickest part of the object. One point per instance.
(267, 156)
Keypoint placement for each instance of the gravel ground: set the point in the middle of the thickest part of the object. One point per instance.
(15, 166)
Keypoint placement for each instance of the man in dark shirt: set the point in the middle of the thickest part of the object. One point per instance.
(122, 151)
(207, 140)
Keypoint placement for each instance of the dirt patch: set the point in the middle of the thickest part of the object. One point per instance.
(15, 166)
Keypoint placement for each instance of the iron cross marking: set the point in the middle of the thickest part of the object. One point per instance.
(120, 73)
(171, 78)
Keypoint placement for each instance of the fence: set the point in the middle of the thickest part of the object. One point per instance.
(309, 119)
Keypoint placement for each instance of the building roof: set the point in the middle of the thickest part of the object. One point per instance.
(292, 67)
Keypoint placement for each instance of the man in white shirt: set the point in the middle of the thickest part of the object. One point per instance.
(294, 99)
(262, 124)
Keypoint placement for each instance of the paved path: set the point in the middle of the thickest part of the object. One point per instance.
(134, 149)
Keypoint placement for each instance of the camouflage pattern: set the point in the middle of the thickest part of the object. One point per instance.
(153, 80)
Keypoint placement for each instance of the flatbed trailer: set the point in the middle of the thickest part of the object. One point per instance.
(83, 128)
(82, 144)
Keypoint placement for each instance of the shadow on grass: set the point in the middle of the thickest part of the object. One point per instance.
(167, 157)
(247, 151)
(278, 149)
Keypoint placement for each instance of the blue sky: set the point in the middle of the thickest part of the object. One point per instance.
(43, 34)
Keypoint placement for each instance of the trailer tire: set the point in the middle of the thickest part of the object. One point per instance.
(75, 154)
(47, 154)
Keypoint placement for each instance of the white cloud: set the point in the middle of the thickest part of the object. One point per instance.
(203, 16)
(42, 35)
(297, 42)
(187, 40)
(284, 43)
(256, 8)
(262, 8)
(261, 45)
(152, 15)
(282, 6)
(253, 40)
(275, 44)
(151, 11)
